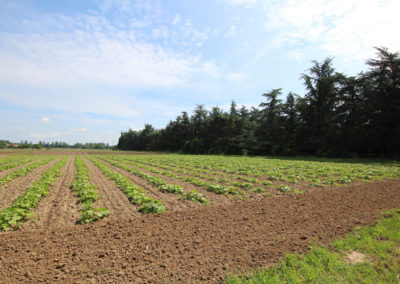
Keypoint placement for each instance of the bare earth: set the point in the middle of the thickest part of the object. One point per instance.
(199, 244)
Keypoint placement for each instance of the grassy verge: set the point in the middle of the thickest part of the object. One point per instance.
(368, 255)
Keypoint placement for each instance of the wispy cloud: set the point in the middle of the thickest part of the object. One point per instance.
(345, 28)
(89, 50)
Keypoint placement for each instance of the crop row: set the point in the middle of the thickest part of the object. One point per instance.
(216, 188)
(135, 194)
(14, 215)
(15, 164)
(9, 159)
(162, 185)
(244, 183)
(87, 194)
(23, 171)
(315, 172)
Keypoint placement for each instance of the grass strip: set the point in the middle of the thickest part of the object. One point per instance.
(378, 259)
(13, 216)
(23, 171)
(87, 194)
(136, 195)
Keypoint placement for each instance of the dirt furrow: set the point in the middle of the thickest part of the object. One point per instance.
(112, 197)
(202, 244)
(60, 208)
(15, 188)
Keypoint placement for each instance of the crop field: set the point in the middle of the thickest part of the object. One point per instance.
(76, 216)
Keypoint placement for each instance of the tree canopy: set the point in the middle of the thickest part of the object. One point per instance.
(338, 116)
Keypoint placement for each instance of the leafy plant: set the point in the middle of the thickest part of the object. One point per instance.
(87, 194)
(12, 217)
(135, 194)
(197, 197)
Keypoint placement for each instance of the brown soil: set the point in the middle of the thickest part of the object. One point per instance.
(171, 201)
(18, 186)
(202, 244)
(112, 197)
(60, 208)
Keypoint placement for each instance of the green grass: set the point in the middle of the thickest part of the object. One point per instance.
(379, 244)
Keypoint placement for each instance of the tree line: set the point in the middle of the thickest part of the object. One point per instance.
(338, 116)
(48, 145)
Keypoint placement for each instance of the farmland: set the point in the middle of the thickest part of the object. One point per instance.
(120, 216)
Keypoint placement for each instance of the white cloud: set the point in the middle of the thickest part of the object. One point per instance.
(88, 50)
(345, 28)
(45, 119)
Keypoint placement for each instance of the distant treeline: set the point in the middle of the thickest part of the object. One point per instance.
(29, 145)
(338, 116)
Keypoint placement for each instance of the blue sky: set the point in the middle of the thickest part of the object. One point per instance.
(82, 71)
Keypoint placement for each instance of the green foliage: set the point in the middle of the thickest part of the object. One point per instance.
(158, 182)
(205, 170)
(284, 188)
(87, 194)
(135, 194)
(152, 207)
(197, 197)
(23, 171)
(13, 216)
(337, 116)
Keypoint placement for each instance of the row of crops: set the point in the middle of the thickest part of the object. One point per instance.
(178, 175)
(258, 170)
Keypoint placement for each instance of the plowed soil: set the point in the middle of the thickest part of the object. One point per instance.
(112, 197)
(203, 244)
(18, 186)
(60, 208)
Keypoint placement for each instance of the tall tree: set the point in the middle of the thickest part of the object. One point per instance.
(322, 84)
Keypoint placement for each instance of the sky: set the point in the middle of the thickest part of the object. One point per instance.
(83, 71)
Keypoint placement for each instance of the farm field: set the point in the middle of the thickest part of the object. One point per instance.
(93, 216)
